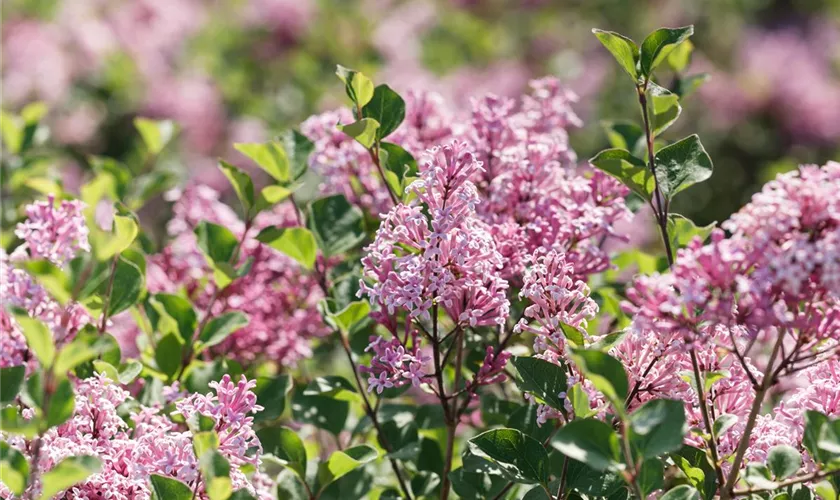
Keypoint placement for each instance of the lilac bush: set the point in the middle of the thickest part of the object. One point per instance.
(415, 300)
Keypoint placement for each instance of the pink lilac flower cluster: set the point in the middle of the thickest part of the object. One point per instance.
(395, 365)
(279, 297)
(729, 300)
(154, 444)
(533, 198)
(54, 233)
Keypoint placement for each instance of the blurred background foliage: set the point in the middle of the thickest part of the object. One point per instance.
(243, 70)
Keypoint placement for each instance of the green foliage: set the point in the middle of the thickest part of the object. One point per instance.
(66, 473)
(659, 44)
(269, 156)
(156, 134)
(606, 373)
(783, 461)
(336, 224)
(543, 379)
(625, 50)
(681, 165)
(169, 488)
(296, 242)
(343, 462)
(658, 427)
(14, 469)
(589, 441)
(522, 458)
(11, 378)
(285, 445)
(365, 131)
(387, 108)
(221, 327)
(359, 87)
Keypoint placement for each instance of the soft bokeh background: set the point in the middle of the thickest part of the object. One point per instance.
(241, 70)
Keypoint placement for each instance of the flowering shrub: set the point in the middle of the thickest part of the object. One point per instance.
(414, 301)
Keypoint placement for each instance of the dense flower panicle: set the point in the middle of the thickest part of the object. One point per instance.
(279, 298)
(231, 408)
(440, 253)
(155, 444)
(556, 299)
(395, 364)
(54, 233)
(13, 348)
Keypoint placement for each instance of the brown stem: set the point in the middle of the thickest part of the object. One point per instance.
(766, 383)
(661, 208)
(814, 476)
(374, 157)
(707, 421)
(371, 413)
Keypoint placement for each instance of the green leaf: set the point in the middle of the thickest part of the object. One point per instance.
(336, 223)
(220, 327)
(658, 427)
(127, 288)
(11, 378)
(204, 442)
(81, 350)
(269, 156)
(217, 242)
(580, 401)
(106, 369)
(67, 473)
(651, 475)
(681, 165)
(663, 108)
(659, 44)
(365, 131)
(697, 466)
(168, 354)
(724, 423)
(167, 488)
(399, 166)
(543, 379)
(271, 395)
(38, 338)
(51, 277)
(62, 404)
(688, 85)
(298, 148)
(825, 490)
(680, 56)
(625, 50)
(156, 134)
(606, 373)
(271, 195)
(631, 171)
(285, 444)
(296, 242)
(14, 469)
(402, 438)
(216, 471)
(242, 184)
(359, 87)
(525, 419)
(344, 461)
(345, 319)
(522, 458)
(130, 371)
(681, 492)
(589, 441)
(387, 108)
(757, 475)
(122, 235)
(783, 461)
(829, 440)
(321, 411)
(624, 135)
(681, 231)
(814, 423)
(172, 314)
(329, 385)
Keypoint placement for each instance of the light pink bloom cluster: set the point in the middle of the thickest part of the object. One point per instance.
(154, 444)
(777, 274)
(279, 297)
(435, 251)
(533, 197)
(56, 234)
(393, 364)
